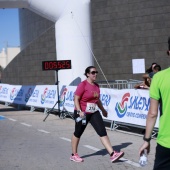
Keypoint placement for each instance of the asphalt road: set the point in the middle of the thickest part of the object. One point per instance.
(28, 143)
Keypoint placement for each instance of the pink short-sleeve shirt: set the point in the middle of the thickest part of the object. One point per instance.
(88, 93)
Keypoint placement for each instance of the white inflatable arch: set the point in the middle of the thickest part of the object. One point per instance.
(72, 32)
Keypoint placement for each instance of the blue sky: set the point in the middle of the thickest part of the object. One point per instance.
(9, 28)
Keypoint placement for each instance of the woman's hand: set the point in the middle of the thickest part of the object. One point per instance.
(104, 112)
(81, 114)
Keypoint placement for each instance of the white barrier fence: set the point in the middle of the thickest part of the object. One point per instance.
(128, 106)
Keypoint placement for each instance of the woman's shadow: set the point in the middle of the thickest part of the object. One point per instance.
(104, 152)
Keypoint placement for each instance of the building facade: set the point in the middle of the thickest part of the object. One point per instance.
(7, 55)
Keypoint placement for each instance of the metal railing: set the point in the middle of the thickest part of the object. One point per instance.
(119, 84)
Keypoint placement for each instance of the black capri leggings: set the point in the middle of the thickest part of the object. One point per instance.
(96, 121)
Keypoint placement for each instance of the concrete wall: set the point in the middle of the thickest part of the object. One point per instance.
(130, 29)
(32, 26)
(122, 30)
(38, 44)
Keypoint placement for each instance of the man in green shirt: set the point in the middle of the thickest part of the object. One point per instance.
(159, 94)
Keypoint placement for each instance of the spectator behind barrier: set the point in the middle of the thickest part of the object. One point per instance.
(150, 69)
(148, 77)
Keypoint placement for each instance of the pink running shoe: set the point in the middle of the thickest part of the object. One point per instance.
(76, 158)
(116, 156)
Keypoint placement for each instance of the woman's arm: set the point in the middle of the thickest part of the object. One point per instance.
(77, 105)
(104, 112)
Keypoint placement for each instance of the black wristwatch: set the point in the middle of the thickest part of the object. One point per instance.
(146, 139)
(78, 111)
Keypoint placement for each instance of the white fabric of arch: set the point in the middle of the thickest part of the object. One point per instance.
(72, 32)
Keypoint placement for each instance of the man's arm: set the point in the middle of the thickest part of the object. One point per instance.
(150, 123)
(151, 118)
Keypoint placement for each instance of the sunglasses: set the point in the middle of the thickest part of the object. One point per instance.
(94, 72)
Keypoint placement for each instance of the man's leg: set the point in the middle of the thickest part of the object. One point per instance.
(162, 158)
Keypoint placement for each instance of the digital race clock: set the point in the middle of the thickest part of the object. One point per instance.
(56, 65)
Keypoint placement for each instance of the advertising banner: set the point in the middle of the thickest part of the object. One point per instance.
(4, 92)
(128, 105)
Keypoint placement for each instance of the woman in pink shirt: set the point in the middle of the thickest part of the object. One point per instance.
(87, 101)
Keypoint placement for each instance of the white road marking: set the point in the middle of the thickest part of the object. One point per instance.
(122, 159)
(12, 119)
(40, 130)
(25, 124)
(69, 140)
(130, 162)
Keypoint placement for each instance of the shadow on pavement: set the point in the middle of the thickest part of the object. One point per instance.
(104, 152)
(7, 109)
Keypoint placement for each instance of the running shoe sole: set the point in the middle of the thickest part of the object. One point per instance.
(117, 158)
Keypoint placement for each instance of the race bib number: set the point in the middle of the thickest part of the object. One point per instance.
(91, 107)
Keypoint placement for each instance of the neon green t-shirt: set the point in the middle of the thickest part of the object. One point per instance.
(160, 90)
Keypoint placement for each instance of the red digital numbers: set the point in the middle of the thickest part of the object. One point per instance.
(56, 65)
